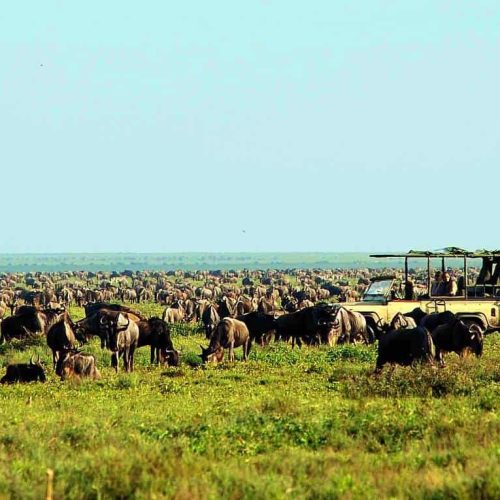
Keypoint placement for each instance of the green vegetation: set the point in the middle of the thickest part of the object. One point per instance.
(311, 423)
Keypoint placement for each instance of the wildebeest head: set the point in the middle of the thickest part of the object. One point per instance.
(475, 339)
(209, 355)
(112, 326)
(38, 366)
(328, 317)
(170, 357)
(83, 331)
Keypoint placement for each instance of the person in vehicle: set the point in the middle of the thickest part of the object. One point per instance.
(436, 284)
(448, 286)
(409, 289)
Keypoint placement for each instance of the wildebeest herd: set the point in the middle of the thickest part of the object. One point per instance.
(235, 309)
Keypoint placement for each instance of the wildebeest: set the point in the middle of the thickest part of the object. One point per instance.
(98, 322)
(400, 321)
(457, 337)
(210, 319)
(29, 321)
(227, 307)
(417, 315)
(260, 326)
(347, 327)
(265, 305)
(61, 337)
(174, 314)
(94, 307)
(229, 334)
(433, 320)
(24, 372)
(123, 336)
(155, 333)
(245, 305)
(405, 347)
(93, 325)
(75, 364)
(307, 325)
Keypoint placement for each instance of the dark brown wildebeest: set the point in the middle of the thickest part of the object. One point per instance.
(229, 334)
(417, 315)
(155, 333)
(433, 320)
(210, 320)
(405, 347)
(290, 304)
(24, 372)
(75, 364)
(61, 337)
(29, 321)
(457, 337)
(307, 325)
(94, 307)
(260, 326)
(226, 307)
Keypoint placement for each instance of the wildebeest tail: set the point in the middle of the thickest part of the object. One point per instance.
(430, 348)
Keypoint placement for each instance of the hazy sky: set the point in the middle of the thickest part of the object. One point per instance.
(259, 126)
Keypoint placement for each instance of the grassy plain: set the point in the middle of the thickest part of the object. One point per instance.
(310, 423)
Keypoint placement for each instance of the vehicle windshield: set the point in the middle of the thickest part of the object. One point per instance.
(378, 290)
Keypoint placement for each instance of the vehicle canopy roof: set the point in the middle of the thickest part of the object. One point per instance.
(451, 252)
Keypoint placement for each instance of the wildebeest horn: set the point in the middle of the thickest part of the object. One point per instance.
(31, 359)
(102, 321)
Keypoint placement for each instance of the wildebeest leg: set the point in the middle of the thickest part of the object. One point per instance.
(439, 357)
(379, 365)
(126, 359)
(153, 354)
(131, 358)
(246, 349)
(114, 361)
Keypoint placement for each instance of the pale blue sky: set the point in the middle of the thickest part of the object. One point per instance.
(312, 126)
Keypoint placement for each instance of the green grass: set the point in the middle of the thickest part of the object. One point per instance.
(312, 423)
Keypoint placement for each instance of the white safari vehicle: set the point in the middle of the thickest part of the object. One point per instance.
(477, 302)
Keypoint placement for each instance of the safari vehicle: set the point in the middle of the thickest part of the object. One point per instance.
(477, 302)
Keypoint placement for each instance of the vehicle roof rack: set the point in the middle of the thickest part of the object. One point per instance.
(450, 252)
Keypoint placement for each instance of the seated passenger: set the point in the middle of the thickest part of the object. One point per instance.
(409, 289)
(448, 286)
(436, 283)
